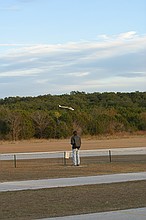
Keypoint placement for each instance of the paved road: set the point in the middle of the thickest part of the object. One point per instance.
(83, 153)
(129, 214)
(75, 181)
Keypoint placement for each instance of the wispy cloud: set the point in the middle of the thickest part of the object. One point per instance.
(79, 74)
(15, 45)
(10, 8)
(19, 72)
(128, 35)
(113, 63)
(14, 5)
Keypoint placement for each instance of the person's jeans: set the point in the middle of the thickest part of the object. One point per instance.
(76, 157)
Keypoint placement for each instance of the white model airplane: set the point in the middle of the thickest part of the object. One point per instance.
(70, 108)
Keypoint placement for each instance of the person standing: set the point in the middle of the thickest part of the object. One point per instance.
(76, 144)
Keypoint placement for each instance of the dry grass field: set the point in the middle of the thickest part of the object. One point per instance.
(90, 143)
(54, 168)
(42, 169)
(43, 203)
(33, 204)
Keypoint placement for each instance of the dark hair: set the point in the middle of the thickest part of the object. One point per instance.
(75, 132)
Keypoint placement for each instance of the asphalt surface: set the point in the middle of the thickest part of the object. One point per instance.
(83, 153)
(129, 214)
(75, 181)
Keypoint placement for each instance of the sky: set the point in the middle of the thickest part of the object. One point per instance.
(58, 46)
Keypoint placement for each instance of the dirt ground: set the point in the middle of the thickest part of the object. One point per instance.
(62, 145)
(32, 204)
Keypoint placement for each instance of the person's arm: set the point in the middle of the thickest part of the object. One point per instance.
(72, 141)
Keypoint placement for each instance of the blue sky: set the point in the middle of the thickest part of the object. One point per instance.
(59, 46)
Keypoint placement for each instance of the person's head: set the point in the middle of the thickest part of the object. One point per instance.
(74, 132)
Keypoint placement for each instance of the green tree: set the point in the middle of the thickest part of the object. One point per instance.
(14, 121)
(41, 121)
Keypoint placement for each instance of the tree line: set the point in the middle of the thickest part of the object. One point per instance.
(95, 114)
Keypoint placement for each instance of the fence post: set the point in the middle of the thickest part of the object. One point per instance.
(14, 160)
(64, 158)
(110, 156)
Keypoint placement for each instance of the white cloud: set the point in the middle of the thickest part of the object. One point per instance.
(12, 45)
(79, 47)
(19, 73)
(84, 65)
(103, 37)
(42, 81)
(79, 74)
(128, 35)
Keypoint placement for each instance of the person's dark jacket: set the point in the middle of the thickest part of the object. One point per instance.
(76, 142)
